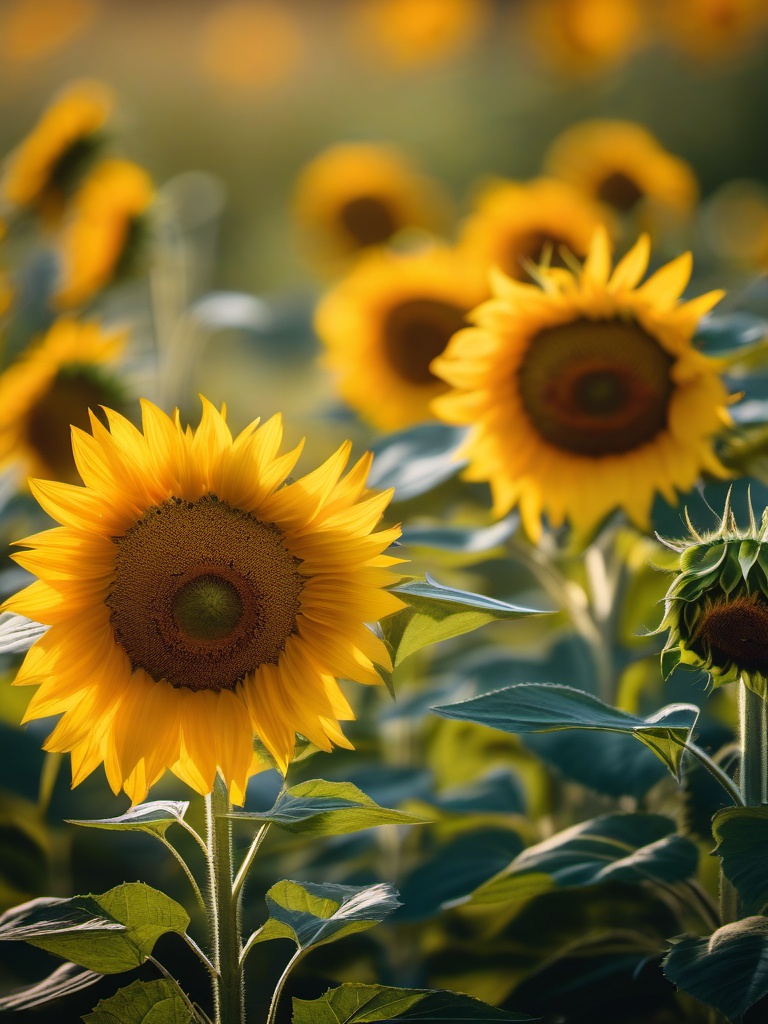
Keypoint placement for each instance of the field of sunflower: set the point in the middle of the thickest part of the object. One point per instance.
(384, 507)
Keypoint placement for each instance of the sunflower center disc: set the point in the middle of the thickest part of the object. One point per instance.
(417, 331)
(203, 593)
(368, 220)
(67, 401)
(620, 191)
(736, 632)
(596, 387)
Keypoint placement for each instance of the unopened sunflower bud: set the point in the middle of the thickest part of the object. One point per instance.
(716, 609)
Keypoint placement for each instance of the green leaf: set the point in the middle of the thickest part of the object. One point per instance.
(312, 914)
(155, 817)
(627, 848)
(461, 544)
(547, 707)
(434, 612)
(65, 980)
(727, 970)
(364, 1004)
(320, 808)
(742, 839)
(142, 1002)
(414, 461)
(110, 933)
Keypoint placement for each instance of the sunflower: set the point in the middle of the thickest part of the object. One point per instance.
(384, 323)
(251, 45)
(104, 230)
(34, 29)
(586, 394)
(195, 601)
(584, 36)
(411, 33)
(42, 172)
(354, 196)
(621, 164)
(516, 225)
(52, 386)
(713, 28)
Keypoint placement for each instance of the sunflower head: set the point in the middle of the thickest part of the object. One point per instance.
(196, 600)
(105, 231)
(579, 37)
(44, 170)
(716, 609)
(72, 369)
(386, 321)
(356, 196)
(583, 392)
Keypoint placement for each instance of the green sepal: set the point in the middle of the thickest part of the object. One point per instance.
(110, 933)
(142, 1002)
(312, 914)
(351, 1003)
(320, 808)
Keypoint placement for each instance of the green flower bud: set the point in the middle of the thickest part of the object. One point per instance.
(716, 609)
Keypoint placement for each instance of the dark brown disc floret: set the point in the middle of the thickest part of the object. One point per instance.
(416, 331)
(203, 593)
(734, 631)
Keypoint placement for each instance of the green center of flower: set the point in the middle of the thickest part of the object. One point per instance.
(620, 191)
(368, 220)
(596, 387)
(734, 631)
(203, 593)
(207, 608)
(72, 392)
(415, 332)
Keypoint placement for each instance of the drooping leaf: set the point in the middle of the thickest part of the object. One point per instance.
(18, 633)
(65, 980)
(142, 1002)
(320, 808)
(416, 460)
(154, 817)
(547, 707)
(110, 933)
(727, 970)
(627, 848)
(312, 914)
(435, 612)
(742, 839)
(365, 1004)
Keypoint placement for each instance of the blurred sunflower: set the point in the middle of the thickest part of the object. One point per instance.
(586, 394)
(33, 29)
(515, 225)
(621, 164)
(354, 196)
(248, 44)
(44, 170)
(104, 230)
(584, 36)
(195, 599)
(53, 385)
(6, 292)
(713, 28)
(385, 322)
(411, 33)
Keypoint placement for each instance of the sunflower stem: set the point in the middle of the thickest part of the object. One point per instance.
(228, 995)
(753, 777)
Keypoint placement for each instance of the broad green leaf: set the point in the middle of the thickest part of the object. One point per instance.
(742, 839)
(155, 817)
(547, 707)
(65, 980)
(627, 848)
(461, 544)
(142, 1002)
(434, 612)
(110, 933)
(416, 460)
(320, 808)
(312, 914)
(727, 970)
(364, 1004)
